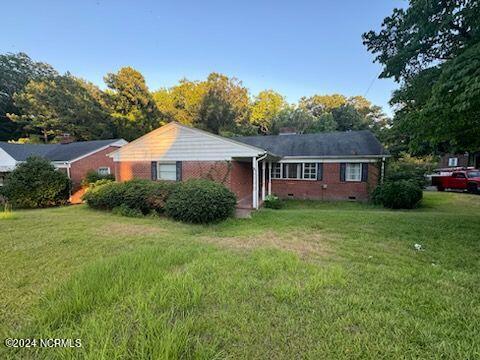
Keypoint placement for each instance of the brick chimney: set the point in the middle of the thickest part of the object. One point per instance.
(287, 131)
(66, 138)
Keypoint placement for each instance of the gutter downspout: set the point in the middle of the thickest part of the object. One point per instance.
(69, 165)
(255, 180)
(382, 173)
(263, 176)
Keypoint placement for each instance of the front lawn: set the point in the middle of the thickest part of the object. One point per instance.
(314, 280)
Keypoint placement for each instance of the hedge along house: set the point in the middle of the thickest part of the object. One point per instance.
(74, 158)
(329, 166)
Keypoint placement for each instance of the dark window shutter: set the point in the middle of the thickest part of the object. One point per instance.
(319, 171)
(179, 171)
(343, 167)
(154, 170)
(365, 172)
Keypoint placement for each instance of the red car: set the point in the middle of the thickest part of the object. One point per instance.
(458, 179)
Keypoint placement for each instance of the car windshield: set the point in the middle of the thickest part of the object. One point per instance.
(472, 174)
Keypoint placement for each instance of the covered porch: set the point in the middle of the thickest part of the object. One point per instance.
(259, 181)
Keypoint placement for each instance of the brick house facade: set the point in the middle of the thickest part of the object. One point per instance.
(233, 174)
(333, 166)
(330, 187)
(75, 159)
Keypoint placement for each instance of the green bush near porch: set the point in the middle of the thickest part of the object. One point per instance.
(200, 201)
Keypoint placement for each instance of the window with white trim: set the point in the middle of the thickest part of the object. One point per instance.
(310, 171)
(292, 171)
(166, 171)
(277, 171)
(103, 170)
(453, 161)
(353, 172)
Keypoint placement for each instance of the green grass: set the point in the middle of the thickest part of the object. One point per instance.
(313, 280)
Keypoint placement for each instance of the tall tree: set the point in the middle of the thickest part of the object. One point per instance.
(181, 102)
(266, 106)
(426, 33)
(294, 117)
(16, 70)
(64, 104)
(318, 105)
(419, 47)
(132, 104)
(216, 113)
(229, 98)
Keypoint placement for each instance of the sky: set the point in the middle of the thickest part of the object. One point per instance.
(297, 47)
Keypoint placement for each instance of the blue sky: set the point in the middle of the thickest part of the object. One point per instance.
(297, 48)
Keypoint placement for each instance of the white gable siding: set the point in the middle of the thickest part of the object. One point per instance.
(7, 163)
(175, 142)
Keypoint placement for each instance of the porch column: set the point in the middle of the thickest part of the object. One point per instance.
(269, 178)
(263, 179)
(255, 183)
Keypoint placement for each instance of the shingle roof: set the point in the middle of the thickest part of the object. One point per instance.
(54, 152)
(351, 143)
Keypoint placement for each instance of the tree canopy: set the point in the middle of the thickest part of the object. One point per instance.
(16, 70)
(432, 49)
(43, 104)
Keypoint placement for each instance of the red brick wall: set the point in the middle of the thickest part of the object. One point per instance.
(80, 168)
(241, 179)
(335, 189)
(127, 170)
(219, 171)
(235, 175)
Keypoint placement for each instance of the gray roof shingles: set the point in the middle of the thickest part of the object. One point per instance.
(350, 143)
(54, 152)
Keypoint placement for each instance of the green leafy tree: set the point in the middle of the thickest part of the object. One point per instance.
(132, 105)
(348, 118)
(318, 105)
(432, 49)
(225, 105)
(216, 113)
(16, 70)
(63, 104)
(181, 102)
(299, 119)
(425, 33)
(266, 106)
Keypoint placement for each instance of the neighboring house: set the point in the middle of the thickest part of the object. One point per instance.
(75, 158)
(333, 166)
(460, 160)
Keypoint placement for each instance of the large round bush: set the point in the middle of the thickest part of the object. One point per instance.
(401, 194)
(200, 201)
(36, 183)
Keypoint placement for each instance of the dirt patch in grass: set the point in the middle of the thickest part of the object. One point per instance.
(122, 229)
(305, 244)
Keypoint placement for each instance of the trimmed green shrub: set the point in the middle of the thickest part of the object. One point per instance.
(105, 196)
(99, 183)
(36, 183)
(401, 194)
(147, 195)
(200, 201)
(92, 177)
(273, 202)
(142, 195)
